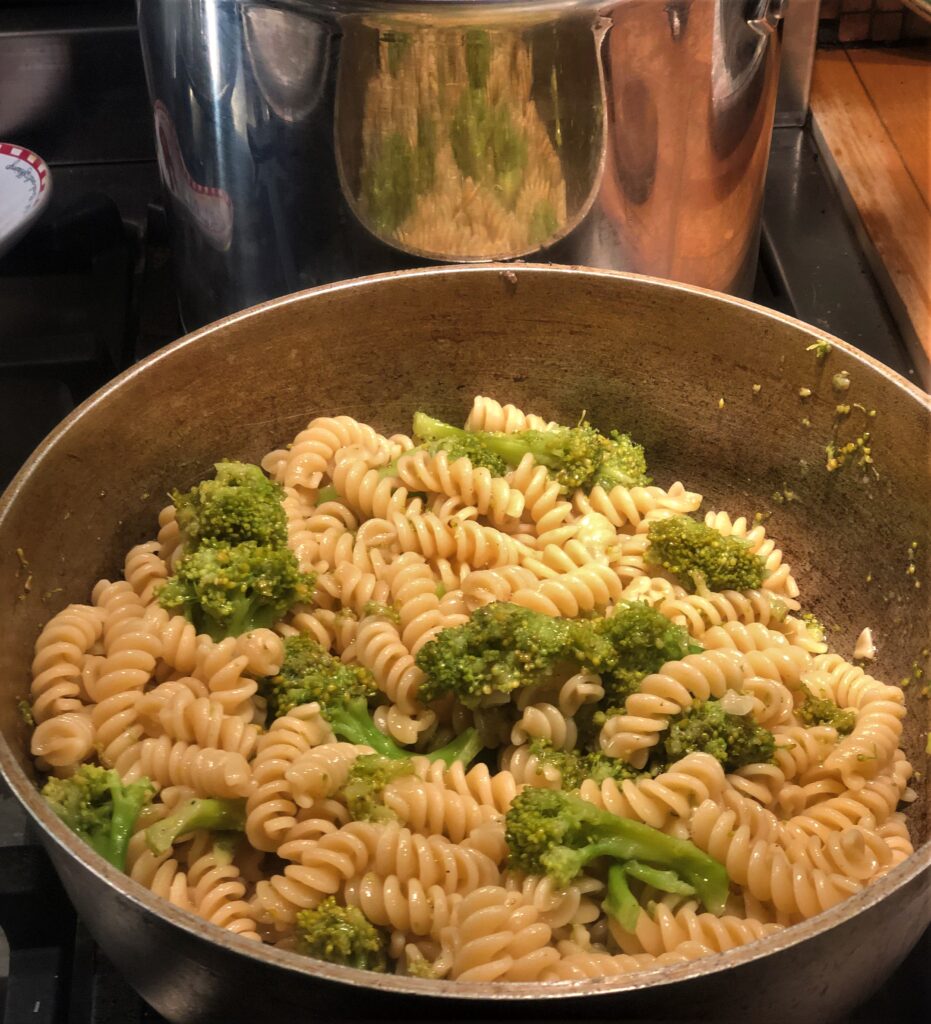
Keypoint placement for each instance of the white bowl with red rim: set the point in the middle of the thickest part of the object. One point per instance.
(25, 188)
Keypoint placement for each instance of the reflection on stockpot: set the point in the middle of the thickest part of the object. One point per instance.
(469, 143)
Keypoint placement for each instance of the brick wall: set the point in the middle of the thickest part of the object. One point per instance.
(875, 21)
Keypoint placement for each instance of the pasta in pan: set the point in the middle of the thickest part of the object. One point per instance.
(733, 730)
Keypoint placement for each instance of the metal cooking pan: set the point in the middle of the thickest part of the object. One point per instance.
(649, 356)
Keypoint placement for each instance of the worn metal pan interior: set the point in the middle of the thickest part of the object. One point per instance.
(674, 365)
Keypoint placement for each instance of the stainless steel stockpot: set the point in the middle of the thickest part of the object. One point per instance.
(645, 355)
(307, 141)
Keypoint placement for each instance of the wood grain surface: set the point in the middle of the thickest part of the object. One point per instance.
(871, 110)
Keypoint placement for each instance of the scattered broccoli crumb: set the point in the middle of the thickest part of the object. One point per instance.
(421, 967)
(804, 392)
(757, 388)
(806, 422)
(25, 711)
(720, 403)
(822, 349)
(814, 625)
(785, 495)
(857, 451)
(841, 381)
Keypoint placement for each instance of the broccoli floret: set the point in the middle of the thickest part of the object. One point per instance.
(239, 504)
(623, 463)
(96, 805)
(632, 642)
(821, 711)
(342, 935)
(691, 550)
(352, 722)
(735, 740)
(368, 776)
(502, 647)
(208, 812)
(226, 590)
(309, 673)
(574, 456)
(575, 766)
(551, 832)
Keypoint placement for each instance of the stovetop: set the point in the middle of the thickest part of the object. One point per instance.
(90, 291)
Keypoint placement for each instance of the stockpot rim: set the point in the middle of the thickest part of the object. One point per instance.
(54, 831)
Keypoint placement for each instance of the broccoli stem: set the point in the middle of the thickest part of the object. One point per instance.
(429, 429)
(465, 748)
(627, 840)
(327, 493)
(127, 804)
(353, 723)
(211, 813)
(620, 903)
(665, 881)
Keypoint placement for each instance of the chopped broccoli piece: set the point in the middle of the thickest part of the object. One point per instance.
(342, 935)
(554, 833)
(822, 348)
(96, 805)
(623, 463)
(207, 812)
(226, 590)
(240, 504)
(25, 711)
(735, 740)
(689, 550)
(352, 722)
(502, 647)
(574, 456)
(309, 673)
(327, 493)
(386, 610)
(632, 642)
(821, 711)
(368, 776)
(575, 766)
(620, 903)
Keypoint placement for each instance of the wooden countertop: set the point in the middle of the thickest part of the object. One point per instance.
(872, 114)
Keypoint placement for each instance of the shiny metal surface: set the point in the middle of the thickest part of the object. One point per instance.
(819, 261)
(307, 141)
(799, 41)
(376, 348)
